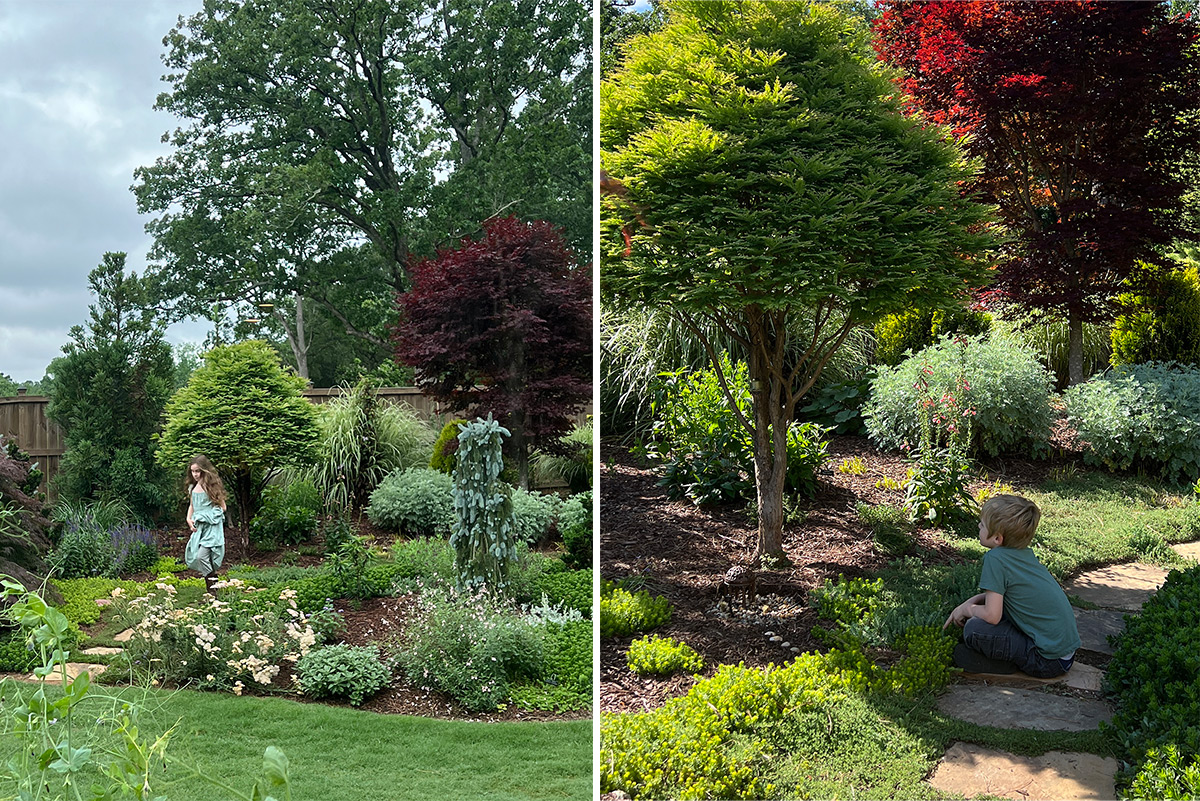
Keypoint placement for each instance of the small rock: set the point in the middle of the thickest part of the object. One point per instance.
(786, 645)
(769, 634)
(776, 638)
(795, 650)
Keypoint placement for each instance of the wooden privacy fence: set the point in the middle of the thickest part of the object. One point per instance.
(23, 418)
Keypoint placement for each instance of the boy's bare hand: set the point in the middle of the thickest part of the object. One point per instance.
(958, 617)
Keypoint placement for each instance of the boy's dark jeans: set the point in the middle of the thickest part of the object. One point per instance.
(1005, 642)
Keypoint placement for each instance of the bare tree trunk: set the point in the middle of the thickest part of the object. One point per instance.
(770, 452)
(1074, 349)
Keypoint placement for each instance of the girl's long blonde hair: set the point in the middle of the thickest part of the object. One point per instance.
(213, 487)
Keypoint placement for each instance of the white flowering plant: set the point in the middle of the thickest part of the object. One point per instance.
(238, 641)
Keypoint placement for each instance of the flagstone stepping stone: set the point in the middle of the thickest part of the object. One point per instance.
(989, 705)
(1079, 677)
(1095, 626)
(124, 636)
(101, 650)
(1124, 587)
(1188, 550)
(970, 770)
(73, 671)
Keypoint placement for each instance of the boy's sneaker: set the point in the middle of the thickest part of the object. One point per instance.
(971, 661)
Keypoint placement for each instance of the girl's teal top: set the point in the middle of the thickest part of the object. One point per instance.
(209, 533)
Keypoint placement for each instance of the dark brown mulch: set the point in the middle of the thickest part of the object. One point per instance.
(681, 551)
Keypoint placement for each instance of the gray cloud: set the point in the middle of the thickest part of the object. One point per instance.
(78, 81)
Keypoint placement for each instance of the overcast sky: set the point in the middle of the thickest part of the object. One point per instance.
(78, 80)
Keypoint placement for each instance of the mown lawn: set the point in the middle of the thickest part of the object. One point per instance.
(340, 753)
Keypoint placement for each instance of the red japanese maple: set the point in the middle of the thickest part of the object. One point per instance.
(503, 324)
(1079, 111)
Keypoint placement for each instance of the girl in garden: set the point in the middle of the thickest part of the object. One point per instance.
(206, 518)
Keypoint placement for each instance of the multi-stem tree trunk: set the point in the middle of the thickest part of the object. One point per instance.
(1074, 349)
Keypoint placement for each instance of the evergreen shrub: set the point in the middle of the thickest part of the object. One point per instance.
(661, 656)
(1006, 386)
(1145, 416)
(623, 612)
(575, 525)
(416, 502)
(445, 447)
(1163, 326)
(289, 514)
(900, 335)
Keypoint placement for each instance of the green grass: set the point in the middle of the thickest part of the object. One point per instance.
(338, 753)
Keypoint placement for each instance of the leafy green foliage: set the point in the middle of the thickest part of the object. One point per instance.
(900, 335)
(575, 525)
(289, 514)
(573, 466)
(108, 395)
(352, 672)
(838, 405)
(1145, 416)
(1049, 337)
(571, 589)
(15, 655)
(97, 541)
(533, 515)
(1167, 774)
(1163, 326)
(428, 558)
(623, 612)
(445, 446)
(1152, 675)
(246, 414)
(565, 680)
(417, 501)
(1006, 386)
(889, 529)
(660, 656)
(483, 534)
(471, 647)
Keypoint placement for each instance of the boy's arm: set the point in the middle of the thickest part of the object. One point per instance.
(988, 606)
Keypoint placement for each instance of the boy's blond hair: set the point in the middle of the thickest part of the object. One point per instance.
(1012, 517)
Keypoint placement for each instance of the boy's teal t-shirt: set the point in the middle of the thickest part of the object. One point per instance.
(1032, 599)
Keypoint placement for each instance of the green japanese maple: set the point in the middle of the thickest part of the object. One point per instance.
(769, 170)
(246, 414)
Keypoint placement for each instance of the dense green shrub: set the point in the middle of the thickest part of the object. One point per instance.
(1152, 675)
(1167, 774)
(659, 656)
(15, 654)
(416, 501)
(571, 589)
(1163, 326)
(1145, 416)
(533, 515)
(445, 447)
(575, 525)
(565, 680)
(623, 612)
(1006, 386)
(427, 558)
(289, 514)
(1048, 337)
(573, 466)
(806, 454)
(353, 672)
(900, 335)
(83, 550)
(471, 647)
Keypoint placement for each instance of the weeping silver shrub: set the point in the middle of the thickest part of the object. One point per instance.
(483, 535)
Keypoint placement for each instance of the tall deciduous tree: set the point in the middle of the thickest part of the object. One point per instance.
(328, 142)
(108, 393)
(1080, 111)
(246, 414)
(503, 325)
(775, 174)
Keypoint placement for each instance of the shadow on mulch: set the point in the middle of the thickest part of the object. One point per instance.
(681, 551)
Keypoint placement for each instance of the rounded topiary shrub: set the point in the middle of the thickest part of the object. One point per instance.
(899, 335)
(350, 672)
(1145, 416)
(1007, 387)
(416, 501)
(445, 447)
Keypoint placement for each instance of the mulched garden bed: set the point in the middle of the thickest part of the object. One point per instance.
(681, 551)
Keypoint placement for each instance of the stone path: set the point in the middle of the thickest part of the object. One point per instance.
(1022, 702)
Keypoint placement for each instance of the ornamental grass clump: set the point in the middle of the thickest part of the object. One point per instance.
(231, 644)
(623, 612)
(662, 656)
(471, 646)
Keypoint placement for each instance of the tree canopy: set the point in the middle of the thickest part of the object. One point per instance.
(770, 170)
(503, 325)
(327, 144)
(1081, 113)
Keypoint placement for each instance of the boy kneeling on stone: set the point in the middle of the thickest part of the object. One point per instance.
(1022, 619)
